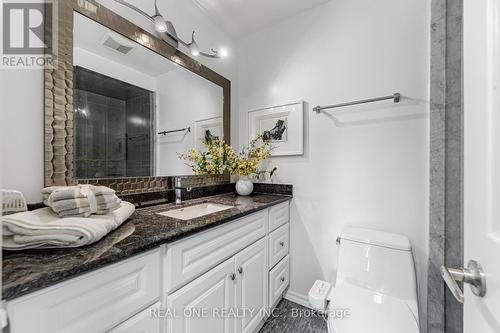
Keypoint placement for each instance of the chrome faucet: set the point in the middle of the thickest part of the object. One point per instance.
(178, 190)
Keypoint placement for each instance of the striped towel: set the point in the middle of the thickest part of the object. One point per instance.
(80, 200)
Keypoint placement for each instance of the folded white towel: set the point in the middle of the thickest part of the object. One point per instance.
(42, 228)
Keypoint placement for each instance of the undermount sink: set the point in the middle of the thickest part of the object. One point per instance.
(192, 212)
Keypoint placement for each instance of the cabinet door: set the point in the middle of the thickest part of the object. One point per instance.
(251, 287)
(198, 306)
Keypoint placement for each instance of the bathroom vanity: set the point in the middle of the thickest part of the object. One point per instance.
(159, 274)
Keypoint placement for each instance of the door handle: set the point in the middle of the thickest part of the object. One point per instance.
(472, 275)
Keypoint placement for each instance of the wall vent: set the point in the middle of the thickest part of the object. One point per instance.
(113, 42)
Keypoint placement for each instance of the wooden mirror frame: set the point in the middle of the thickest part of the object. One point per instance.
(59, 110)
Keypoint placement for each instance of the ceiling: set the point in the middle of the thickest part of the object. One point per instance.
(89, 35)
(242, 17)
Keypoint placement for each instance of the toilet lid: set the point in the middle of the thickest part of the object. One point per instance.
(354, 309)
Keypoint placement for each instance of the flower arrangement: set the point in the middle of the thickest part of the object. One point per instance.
(247, 163)
(214, 161)
(220, 158)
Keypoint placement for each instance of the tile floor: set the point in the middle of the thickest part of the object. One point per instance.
(294, 318)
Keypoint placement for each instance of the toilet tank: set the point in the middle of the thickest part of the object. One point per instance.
(378, 261)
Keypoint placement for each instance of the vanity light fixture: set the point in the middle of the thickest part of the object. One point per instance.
(166, 30)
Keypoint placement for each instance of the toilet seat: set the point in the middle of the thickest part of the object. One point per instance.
(369, 311)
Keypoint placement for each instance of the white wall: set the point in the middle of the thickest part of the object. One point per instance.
(108, 67)
(363, 166)
(21, 108)
(183, 98)
(21, 131)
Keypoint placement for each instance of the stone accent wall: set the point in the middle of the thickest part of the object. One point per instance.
(445, 314)
(135, 185)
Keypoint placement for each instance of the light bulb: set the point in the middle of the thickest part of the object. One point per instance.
(160, 24)
(223, 53)
(193, 48)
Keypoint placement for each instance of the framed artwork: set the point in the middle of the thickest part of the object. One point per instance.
(206, 130)
(282, 125)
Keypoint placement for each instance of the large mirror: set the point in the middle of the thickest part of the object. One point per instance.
(135, 110)
(122, 103)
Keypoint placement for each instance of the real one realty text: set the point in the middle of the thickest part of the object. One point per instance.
(243, 313)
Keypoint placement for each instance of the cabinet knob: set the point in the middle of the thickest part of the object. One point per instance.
(232, 276)
(282, 279)
(240, 270)
(282, 244)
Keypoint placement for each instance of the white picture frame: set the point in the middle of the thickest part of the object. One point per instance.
(282, 124)
(214, 125)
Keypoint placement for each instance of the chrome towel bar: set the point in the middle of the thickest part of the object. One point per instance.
(188, 129)
(396, 97)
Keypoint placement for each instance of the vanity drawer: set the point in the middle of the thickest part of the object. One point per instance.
(278, 244)
(279, 279)
(94, 302)
(279, 215)
(189, 258)
(142, 322)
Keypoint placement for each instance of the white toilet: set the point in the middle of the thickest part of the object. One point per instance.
(376, 284)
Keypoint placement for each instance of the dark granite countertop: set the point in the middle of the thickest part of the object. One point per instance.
(31, 270)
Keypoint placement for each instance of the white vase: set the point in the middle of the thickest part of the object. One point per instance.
(244, 186)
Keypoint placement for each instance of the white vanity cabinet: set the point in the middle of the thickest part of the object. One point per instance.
(236, 284)
(94, 302)
(220, 280)
(250, 279)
